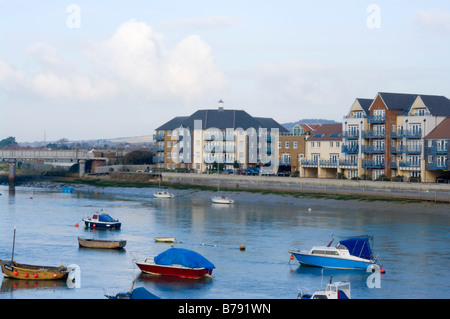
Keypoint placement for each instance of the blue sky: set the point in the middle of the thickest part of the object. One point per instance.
(122, 68)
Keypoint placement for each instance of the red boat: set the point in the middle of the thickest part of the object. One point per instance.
(177, 262)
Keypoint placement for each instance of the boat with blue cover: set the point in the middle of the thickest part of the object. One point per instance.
(101, 221)
(352, 253)
(178, 262)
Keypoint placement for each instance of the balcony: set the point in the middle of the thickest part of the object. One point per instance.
(158, 137)
(438, 165)
(373, 149)
(441, 149)
(376, 119)
(328, 163)
(348, 162)
(408, 149)
(310, 163)
(160, 148)
(373, 164)
(406, 134)
(409, 165)
(374, 134)
(158, 159)
(351, 135)
(351, 148)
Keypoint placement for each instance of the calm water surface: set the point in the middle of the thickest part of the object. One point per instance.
(412, 241)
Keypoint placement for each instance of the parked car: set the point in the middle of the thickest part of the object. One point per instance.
(267, 172)
(443, 179)
(251, 171)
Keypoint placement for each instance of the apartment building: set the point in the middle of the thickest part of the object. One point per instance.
(323, 149)
(437, 153)
(383, 137)
(229, 136)
(291, 148)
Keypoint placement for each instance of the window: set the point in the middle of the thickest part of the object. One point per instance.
(295, 144)
(279, 144)
(286, 145)
(331, 144)
(318, 144)
(312, 144)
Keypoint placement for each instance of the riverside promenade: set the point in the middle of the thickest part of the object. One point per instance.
(376, 189)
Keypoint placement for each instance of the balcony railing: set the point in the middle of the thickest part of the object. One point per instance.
(406, 134)
(160, 148)
(351, 148)
(437, 149)
(158, 137)
(350, 134)
(438, 166)
(408, 149)
(373, 164)
(373, 148)
(348, 162)
(328, 163)
(374, 134)
(376, 119)
(312, 162)
(158, 159)
(409, 164)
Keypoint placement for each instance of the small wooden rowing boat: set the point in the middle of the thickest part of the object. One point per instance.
(165, 239)
(102, 244)
(15, 270)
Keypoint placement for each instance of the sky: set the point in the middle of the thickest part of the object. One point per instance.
(84, 70)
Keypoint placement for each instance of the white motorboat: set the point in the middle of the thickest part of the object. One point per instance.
(334, 290)
(163, 194)
(222, 200)
(353, 253)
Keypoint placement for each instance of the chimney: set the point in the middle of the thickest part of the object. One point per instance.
(220, 105)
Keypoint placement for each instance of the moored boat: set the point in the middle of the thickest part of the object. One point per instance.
(222, 200)
(163, 194)
(101, 221)
(334, 290)
(352, 253)
(102, 244)
(178, 262)
(15, 270)
(165, 239)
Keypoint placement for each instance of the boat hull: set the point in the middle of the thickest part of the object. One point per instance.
(331, 262)
(220, 200)
(32, 272)
(101, 244)
(101, 225)
(173, 270)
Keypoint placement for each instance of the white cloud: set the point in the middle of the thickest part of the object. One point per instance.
(133, 63)
(433, 19)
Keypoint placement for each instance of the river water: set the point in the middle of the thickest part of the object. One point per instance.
(411, 240)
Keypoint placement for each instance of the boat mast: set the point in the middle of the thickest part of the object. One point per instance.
(14, 243)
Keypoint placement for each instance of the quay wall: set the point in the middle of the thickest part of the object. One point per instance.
(376, 189)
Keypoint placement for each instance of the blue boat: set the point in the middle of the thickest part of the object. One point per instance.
(67, 189)
(352, 253)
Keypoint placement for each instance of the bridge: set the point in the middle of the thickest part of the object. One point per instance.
(71, 156)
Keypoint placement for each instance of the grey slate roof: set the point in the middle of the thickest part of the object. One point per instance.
(365, 104)
(436, 104)
(222, 119)
(398, 101)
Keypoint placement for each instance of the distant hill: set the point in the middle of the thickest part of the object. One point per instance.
(290, 125)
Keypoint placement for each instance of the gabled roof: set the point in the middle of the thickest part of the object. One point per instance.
(442, 131)
(327, 132)
(222, 119)
(437, 105)
(365, 104)
(396, 101)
